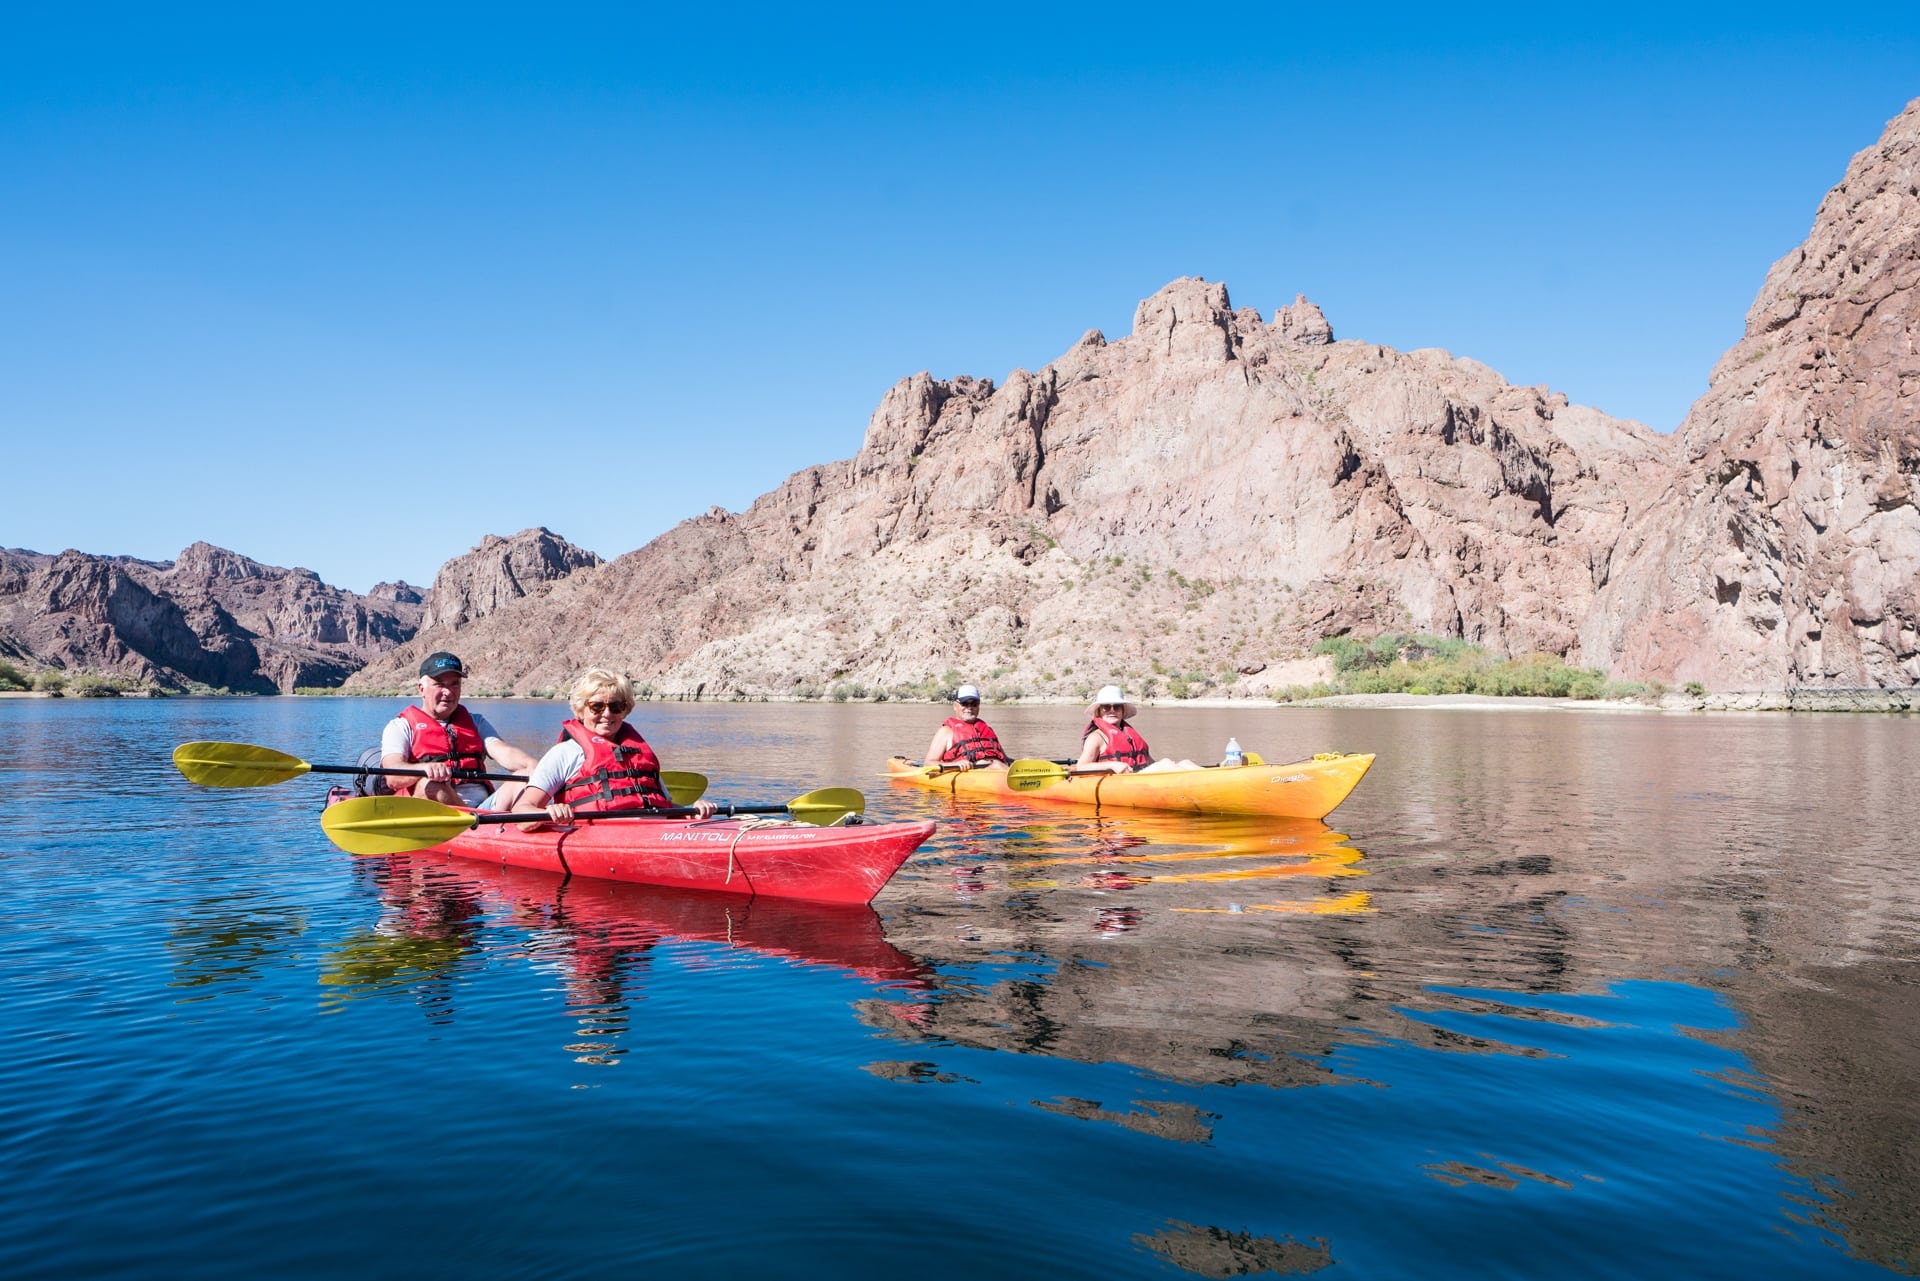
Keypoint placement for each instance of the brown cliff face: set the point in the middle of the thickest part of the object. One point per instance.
(209, 618)
(1785, 551)
(1203, 499)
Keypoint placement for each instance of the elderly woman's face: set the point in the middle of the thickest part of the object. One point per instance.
(602, 711)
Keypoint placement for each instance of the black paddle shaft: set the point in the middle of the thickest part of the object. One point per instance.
(676, 811)
(459, 775)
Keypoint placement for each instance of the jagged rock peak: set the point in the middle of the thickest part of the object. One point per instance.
(1303, 323)
(402, 592)
(499, 571)
(1190, 320)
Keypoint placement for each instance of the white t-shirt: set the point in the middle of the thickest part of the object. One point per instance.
(562, 762)
(397, 740)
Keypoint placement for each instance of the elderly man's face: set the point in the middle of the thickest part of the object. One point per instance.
(440, 695)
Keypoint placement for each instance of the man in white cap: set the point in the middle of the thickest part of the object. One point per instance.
(442, 737)
(964, 741)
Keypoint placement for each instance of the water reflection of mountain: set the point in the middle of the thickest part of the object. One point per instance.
(598, 937)
(1141, 938)
(1842, 1052)
(1199, 984)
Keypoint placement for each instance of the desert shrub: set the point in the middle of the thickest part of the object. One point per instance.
(1695, 689)
(12, 677)
(1397, 663)
(88, 685)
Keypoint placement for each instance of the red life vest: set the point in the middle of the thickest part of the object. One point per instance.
(466, 751)
(1123, 744)
(972, 740)
(620, 775)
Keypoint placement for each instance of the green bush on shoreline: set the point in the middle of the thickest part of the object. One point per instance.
(1397, 663)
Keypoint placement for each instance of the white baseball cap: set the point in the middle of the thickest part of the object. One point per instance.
(967, 693)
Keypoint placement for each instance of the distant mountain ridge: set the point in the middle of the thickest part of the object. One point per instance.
(211, 618)
(1192, 505)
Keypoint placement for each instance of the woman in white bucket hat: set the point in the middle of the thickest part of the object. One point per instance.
(1111, 743)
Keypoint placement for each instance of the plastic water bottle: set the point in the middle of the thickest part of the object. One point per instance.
(1234, 755)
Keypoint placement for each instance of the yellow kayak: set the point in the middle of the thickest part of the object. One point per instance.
(1299, 789)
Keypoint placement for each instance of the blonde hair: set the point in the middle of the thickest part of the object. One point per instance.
(592, 681)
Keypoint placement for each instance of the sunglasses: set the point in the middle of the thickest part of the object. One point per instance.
(968, 702)
(1111, 707)
(600, 709)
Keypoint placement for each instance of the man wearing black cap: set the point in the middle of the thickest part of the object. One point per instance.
(440, 736)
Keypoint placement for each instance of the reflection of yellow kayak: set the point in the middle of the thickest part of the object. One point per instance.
(1300, 789)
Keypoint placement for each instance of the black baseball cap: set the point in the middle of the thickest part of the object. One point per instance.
(439, 663)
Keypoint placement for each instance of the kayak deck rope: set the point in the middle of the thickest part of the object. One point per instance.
(751, 823)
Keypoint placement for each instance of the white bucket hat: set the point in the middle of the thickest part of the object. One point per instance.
(1112, 694)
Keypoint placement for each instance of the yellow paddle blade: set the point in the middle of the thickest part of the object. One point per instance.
(392, 824)
(684, 788)
(1254, 758)
(1028, 776)
(235, 764)
(827, 806)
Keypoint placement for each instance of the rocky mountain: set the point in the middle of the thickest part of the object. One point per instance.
(1203, 499)
(1784, 551)
(1194, 504)
(210, 618)
(1215, 489)
(498, 571)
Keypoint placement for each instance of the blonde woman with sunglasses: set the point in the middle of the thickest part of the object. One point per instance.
(600, 762)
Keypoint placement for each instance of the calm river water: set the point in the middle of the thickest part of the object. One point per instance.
(1554, 994)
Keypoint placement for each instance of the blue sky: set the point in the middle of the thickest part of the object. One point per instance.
(349, 287)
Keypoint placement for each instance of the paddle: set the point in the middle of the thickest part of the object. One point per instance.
(399, 824)
(1030, 776)
(245, 765)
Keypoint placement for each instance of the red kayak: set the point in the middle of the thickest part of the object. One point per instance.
(845, 863)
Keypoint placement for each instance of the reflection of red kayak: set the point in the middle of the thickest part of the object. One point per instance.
(840, 864)
(608, 914)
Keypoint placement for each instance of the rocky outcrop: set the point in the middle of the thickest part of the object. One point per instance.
(210, 618)
(1785, 550)
(498, 571)
(1197, 502)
